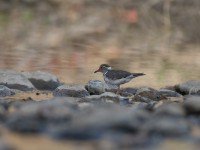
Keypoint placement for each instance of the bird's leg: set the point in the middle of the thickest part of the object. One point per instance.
(118, 90)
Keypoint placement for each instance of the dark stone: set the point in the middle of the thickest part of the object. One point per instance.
(86, 106)
(3, 113)
(129, 91)
(124, 101)
(42, 80)
(16, 104)
(99, 120)
(192, 104)
(139, 105)
(189, 87)
(168, 120)
(171, 109)
(147, 95)
(70, 132)
(168, 126)
(169, 93)
(70, 91)
(151, 105)
(34, 117)
(4, 103)
(15, 80)
(4, 91)
(105, 97)
(95, 87)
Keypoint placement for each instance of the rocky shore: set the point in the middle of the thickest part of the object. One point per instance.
(139, 117)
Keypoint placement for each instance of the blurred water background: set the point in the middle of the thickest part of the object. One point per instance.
(71, 38)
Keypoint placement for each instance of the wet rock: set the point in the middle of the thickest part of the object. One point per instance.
(15, 80)
(192, 104)
(189, 87)
(4, 91)
(147, 95)
(70, 91)
(42, 80)
(95, 87)
(169, 93)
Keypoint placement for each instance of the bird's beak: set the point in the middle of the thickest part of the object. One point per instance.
(99, 70)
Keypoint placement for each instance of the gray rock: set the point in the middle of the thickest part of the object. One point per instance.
(4, 103)
(5, 146)
(168, 120)
(96, 87)
(168, 126)
(171, 109)
(129, 91)
(111, 88)
(35, 116)
(4, 91)
(70, 91)
(28, 119)
(100, 121)
(192, 104)
(42, 80)
(15, 80)
(147, 95)
(139, 105)
(189, 87)
(105, 97)
(2, 113)
(169, 93)
(86, 105)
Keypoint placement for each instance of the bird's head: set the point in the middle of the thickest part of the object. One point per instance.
(103, 68)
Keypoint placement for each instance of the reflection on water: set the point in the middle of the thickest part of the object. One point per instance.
(77, 66)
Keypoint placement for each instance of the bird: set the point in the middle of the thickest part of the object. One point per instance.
(116, 77)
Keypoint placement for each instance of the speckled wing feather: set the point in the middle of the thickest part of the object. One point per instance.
(117, 74)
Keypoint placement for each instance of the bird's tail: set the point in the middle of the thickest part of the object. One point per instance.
(138, 74)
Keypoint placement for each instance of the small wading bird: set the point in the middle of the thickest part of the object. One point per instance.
(116, 77)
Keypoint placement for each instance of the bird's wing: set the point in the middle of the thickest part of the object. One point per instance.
(117, 74)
